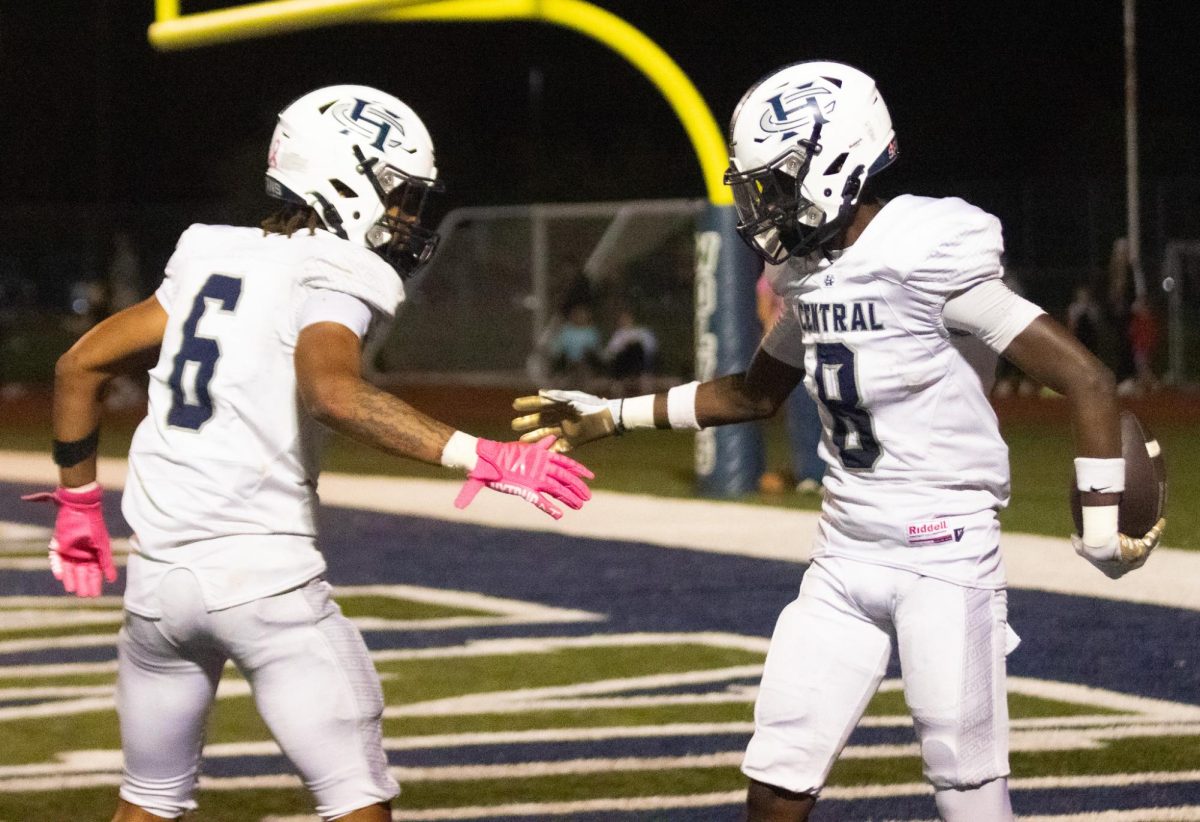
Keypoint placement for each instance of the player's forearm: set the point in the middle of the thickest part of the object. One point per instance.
(731, 399)
(695, 405)
(376, 418)
(76, 419)
(1046, 352)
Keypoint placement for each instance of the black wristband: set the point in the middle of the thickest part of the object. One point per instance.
(68, 454)
(620, 428)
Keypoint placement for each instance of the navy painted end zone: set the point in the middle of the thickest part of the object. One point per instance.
(1148, 650)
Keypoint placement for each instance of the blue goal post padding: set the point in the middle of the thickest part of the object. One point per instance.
(729, 458)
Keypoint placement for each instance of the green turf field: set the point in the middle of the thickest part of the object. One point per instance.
(62, 761)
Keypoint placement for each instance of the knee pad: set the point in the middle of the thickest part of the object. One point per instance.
(961, 754)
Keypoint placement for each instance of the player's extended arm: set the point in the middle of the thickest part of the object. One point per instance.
(80, 553)
(1047, 352)
(328, 363)
(577, 418)
(121, 344)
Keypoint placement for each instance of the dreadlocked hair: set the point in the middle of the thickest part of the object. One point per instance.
(290, 218)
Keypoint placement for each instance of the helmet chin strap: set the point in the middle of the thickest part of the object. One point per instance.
(333, 220)
(850, 192)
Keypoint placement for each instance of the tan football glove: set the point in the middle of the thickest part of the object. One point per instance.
(573, 417)
(1121, 554)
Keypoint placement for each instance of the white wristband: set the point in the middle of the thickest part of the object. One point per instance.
(83, 489)
(633, 412)
(459, 451)
(681, 406)
(1099, 525)
(1102, 476)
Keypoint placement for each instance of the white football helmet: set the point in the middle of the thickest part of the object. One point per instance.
(803, 141)
(352, 153)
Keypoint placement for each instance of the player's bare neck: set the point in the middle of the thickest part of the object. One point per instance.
(863, 214)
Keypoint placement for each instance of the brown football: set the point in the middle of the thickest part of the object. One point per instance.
(1145, 497)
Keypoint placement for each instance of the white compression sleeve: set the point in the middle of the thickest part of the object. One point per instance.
(325, 306)
(992, 312)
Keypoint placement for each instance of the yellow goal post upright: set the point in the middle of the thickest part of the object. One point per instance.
(729, 460)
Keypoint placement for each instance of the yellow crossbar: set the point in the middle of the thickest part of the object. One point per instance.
(174, 31)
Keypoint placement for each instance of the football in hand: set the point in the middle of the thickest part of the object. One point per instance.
(1145, 499)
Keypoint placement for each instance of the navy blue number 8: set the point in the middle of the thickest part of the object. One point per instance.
(853, 429)
(202, 350)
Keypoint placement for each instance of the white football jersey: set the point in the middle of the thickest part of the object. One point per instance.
(223, 469)
(917, 468)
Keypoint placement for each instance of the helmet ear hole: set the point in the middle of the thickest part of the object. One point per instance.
(837, 164)
(342, 189)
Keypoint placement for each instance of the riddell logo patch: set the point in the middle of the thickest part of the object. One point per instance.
(933, 532)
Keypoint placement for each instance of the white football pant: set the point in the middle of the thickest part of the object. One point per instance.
(310, 673)
(830, 651)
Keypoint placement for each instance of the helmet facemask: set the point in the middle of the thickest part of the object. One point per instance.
(398, 236)
(775, 218)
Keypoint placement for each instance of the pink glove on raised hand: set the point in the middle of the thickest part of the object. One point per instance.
(79, 550)
(531, 471)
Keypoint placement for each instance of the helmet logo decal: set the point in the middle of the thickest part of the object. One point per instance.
(384, 129)
(798, 107)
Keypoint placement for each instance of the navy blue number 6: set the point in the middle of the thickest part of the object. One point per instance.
(203, 351)
(837, 386)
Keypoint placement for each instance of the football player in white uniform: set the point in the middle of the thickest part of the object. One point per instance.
(895, 315)
(257, 334)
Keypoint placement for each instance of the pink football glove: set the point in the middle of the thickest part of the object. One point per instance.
(530, 471)
(79, 549)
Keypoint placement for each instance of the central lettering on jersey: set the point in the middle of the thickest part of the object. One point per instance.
(933, 532)
(854, 316)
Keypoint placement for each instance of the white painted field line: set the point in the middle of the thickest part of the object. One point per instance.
(48, 612)
(1189, 813)
(475, 648)
(22, 619)
(55, 669)
(1184, 813)
(525, 699)
(1113, 700)
(39, 563)
(17, 646)
(538, 645)
(54, 692)
(106, 760)
(1033, 562)
(483, 738)
(20, 532)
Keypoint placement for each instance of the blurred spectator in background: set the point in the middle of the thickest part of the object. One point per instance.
(1085, 318)
(575, 348)
(1117, 313)
(1143, 343)
(124, 391)
(803, 421)
(88, 306)
(124, 273)
(630, 356)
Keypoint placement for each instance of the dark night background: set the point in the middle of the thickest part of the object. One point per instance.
(1016, 106)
